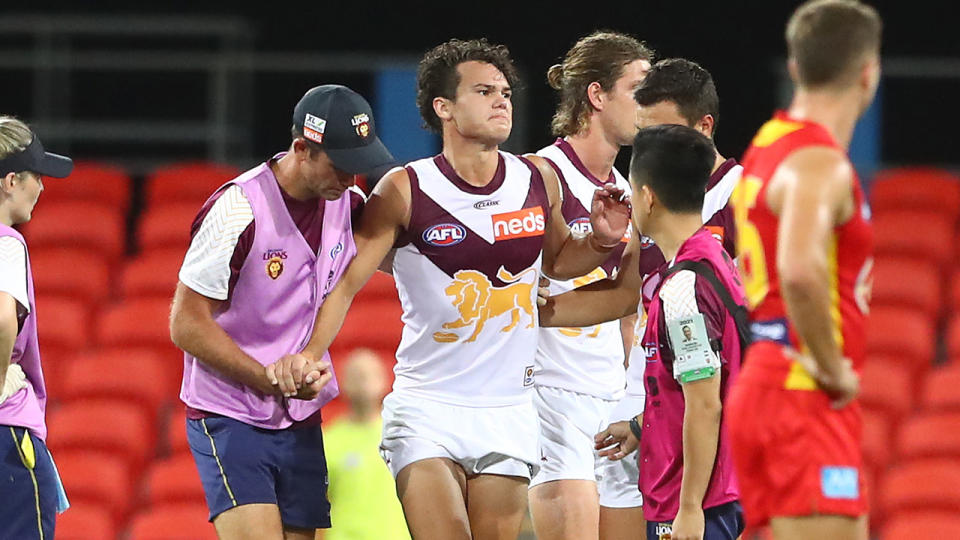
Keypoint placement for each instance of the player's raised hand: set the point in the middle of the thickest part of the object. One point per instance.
(616, 442)
(609, 214)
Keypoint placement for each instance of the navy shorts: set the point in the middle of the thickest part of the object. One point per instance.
(29, 508)
(241, 464)
(724, 522)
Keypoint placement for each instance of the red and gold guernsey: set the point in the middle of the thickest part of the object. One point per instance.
(849, 255)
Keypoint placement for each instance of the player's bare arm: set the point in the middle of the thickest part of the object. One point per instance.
(811, 192)
(193, 329)
(701, 435)
(8, 332)
(567, 256)
(385, 215)
(605, 300)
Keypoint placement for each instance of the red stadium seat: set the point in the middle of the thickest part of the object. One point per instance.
(901, 332)
(138, 322)
(96, 480)
(955, 293)
(876, 439)
(62, 322)
(931, 484)
(931, 435)
(91, 181)
(912, 233)
(174, 480)
(167, 226)
(153, 273)
(372, 324)
(173, 522)
(79, 224)
(114, 427)
(907, 282)
(953, 336)
(176, 432)
(187, 182)
(380, 287)
(920, 188)
(921, 524)
(143, 378)
(941, 390)
(85, 522)
(77, 273)
(887, 387)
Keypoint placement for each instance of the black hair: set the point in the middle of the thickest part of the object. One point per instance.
(685, 83)
(675, 162)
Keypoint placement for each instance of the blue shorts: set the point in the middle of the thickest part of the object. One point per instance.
(29, 508)
(241, 464)
(724, 522)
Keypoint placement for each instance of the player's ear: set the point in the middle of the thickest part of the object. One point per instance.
(793, 70)
(299, 147)
(441, 107)
(706, 124)
(595, 95)
(649, 197)
(8, 181)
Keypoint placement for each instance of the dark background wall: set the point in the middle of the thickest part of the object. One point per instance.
(739, 41)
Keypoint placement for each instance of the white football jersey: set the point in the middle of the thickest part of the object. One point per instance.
(585, 360)
(466, 270)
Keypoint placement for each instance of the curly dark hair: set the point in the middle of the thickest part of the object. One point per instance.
(685, 83)
(437, 74)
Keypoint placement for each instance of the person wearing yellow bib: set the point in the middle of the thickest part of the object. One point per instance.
(360, 484)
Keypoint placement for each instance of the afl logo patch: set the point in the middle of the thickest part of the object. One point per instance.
(274, 267)
(646, 242)
(337, 249)
(580, 225)
(444, 234)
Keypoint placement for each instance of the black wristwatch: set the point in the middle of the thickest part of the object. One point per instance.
(635, 428)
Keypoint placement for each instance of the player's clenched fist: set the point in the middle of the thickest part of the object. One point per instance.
(299, 376)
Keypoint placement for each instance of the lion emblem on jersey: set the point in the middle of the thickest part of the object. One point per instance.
(478, 301)
(274, 267)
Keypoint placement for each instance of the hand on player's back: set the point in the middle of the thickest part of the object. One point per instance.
(543, 291)
(609, 214)
(299, 376)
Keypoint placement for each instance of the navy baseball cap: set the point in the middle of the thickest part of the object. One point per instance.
(340, 120)
(35, 159)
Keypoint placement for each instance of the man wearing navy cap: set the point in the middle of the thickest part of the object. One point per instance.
(32, 493)
(266, 249)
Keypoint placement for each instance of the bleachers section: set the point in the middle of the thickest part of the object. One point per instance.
(117, 427)
(910, 388)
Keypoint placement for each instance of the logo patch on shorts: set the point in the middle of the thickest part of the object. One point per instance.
(840, 482)
(528, 376)
(664, 531)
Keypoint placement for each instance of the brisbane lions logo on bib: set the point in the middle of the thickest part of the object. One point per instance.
(274, 258)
